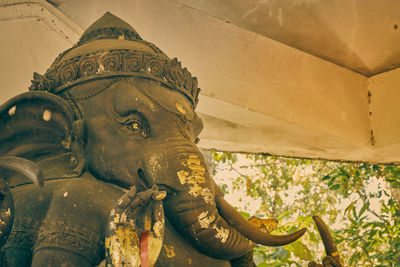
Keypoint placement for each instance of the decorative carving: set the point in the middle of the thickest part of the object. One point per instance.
(133, 62)
(108, 63)
(111, 62)
(154, 66)
(68, 72)
(23, 234)
(73, 238)
(89, 66)
(40, 83)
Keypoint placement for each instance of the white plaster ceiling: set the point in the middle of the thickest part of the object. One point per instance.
(303, 78)
(361, 35)
(32, 34)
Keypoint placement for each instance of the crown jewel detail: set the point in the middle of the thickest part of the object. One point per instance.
(65, 74)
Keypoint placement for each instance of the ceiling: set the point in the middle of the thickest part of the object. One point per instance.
(361, 35)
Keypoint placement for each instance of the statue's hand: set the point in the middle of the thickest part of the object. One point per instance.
(328, 261)
(314, 264)
(135, 230)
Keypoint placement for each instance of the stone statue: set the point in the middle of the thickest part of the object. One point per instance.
(112, 125)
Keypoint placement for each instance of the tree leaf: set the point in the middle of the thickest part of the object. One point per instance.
(300, 250)
(363, 209)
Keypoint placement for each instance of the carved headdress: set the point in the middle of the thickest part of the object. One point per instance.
(112, 48)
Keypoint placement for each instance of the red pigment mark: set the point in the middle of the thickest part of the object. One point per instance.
(144, 247)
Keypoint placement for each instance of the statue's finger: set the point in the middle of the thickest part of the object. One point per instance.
(138, 204)
(154, 187)
(131, 205)
(127, 198)
(142, 198)
(159, 195)
(132, 192)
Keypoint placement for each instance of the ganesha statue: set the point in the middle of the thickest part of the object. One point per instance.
(111, 131)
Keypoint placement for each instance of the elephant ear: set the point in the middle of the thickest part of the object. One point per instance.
(44, 128)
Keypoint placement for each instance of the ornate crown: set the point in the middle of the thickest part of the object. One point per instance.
(126, 54)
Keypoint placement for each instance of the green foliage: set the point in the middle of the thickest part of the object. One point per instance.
(354, 199)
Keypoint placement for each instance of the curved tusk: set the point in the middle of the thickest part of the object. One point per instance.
(24, 166)
(330, 247)
(249, 230)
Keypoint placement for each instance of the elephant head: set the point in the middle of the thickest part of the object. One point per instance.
(142, 133)
(133, 122)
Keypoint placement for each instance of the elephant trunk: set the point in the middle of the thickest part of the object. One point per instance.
(194, 206)
(205, 228)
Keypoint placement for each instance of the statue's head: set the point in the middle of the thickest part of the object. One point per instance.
(118, 105)
(111, 76)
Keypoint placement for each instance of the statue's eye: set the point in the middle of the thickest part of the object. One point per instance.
(137, 127)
